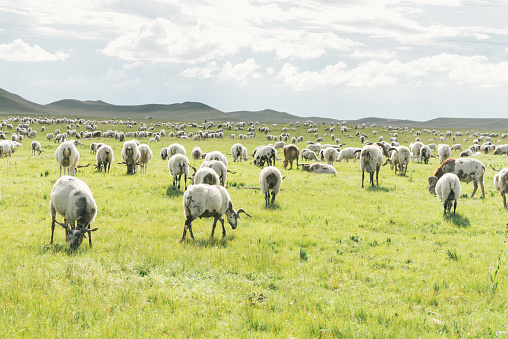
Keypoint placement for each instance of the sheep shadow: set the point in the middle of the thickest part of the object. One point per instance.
(458, 220)
(57, 248)
(272, 207)
(377, 189)
(173, 192)
(209, 242)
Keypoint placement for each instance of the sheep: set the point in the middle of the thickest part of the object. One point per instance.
(291, 153)
(130, 155)
(67, 156)
(219, 167)
(196, 153)
(72, 199)
(164, 153)
(308, 155)
(400, 158)
(456, 147)
(444, 152)
(425, 154)
(371, 158)
(178, 165)
(330, 155)
(239, 152)
(448, 190)
(209, 201)
(206, 175)
(318, 168)
(216, 155)
(347, 153)
(176, 149)
(501, 183)
(279, 144)
(501, 149)
(314, 147)
(270, 178)
(467, 169)
(145, 155)
(104, 158)
(266, 154)
(36, 147)
(415, 149)
(466, 153)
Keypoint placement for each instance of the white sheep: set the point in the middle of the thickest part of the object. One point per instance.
(145, 155)
(67, 156)
(448, 190)
(209, 201)
(444, 152)
(104, 158)
(72, 199)
(206, 175)
(264, 154)
(347, 153)
(330, 155)
(178, 165)
(216, 155)
(415, 149)
(176, 149)
(318, 168)
(371, 159)
(164, 153)
(196, 153)
(501, 183)
(399, 159)
(36, 147)
(270, 179)
(467, 169)
(219, 167)
(239, 152)
(308, 155)
(130, 155)
(425, 153)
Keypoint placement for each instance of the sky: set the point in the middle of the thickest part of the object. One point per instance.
(350, 59)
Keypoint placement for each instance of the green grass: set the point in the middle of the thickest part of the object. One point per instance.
(330, 259)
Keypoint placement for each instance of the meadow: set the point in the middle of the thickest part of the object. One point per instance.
(328, 260)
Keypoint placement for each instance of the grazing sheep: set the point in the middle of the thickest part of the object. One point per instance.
(501, 149)
(145, 155)
(206, 175)
(209, 201)
(501, 183)
(67, 156)
(178, 165)
(314, 147)
(239, 152)
(466, 153)
(164, 153)
(371, 159)
(448, 190)
(291, 153)
(330, 155)
(219, 167)
(308, 155)
(456, 147)
(36, 147)
(72, 199)
(176, 149)
(270, 178)
(318, 168)
(196, 153)
(400, 158)
(467, 169)
(104, 158)
(444, 152)
(425, 154)
(415, 149)
(264, 154)
(348, 153)
(216, 155)
(130, 155)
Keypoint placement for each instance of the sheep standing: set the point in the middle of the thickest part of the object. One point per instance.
(425, 153)
(270, 178)
(501, 183)
(196, 153)
(178, 165)
(216, 155)
(104, 158)
(467, 169)
(448, 190)
(219, 167)
(347, 153)
(176, 149)
(130, 155)
(291, 153)
(209, 201)
(164, 153)
(444, 152)
(371, 159)
(67, 156)
(239, 152)
(264, 154)
(72, 199)
(36, 147)
(415, 149)
(308, 155)
(330, 155)
(399, 159)
(206, 175)
(145, 155)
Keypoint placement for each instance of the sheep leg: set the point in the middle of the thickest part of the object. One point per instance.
(52, 229)
(377, 177)
(483, 189)
(504, 199)
(363, 176)
(188, 225)
(213, 226)
(475, 183)
(185, 180)
(273, 198)
(223, 229)
(454, 207)
(267, 197)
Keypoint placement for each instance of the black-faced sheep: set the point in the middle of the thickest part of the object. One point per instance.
(270, 179)
(209, 201)
(448, 190)
(371, 159)
(130, 155)
(265, 154)
(145, 155)
(67, 156)
(72, 199)
(467, 169)
(164, 153)
(291, 153)
(425, 154)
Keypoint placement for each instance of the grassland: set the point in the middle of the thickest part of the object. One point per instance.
(330, 259)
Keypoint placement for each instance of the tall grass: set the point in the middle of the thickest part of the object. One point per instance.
(329, 260)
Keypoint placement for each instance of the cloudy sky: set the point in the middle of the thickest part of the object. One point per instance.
(415, 59)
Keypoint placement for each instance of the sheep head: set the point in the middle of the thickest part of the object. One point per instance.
(76, 235)
(432, 184)
(233, 215)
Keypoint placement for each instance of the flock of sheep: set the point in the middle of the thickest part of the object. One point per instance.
(207, 197)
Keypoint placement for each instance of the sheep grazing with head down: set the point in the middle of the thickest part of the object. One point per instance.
(164, 153)
(348, 153)
(219, 168)
(444, 152)
(425, 153)
(178, 165)
(330, 155)
(216, 155)
(72, 199)
(308, 155)
(36, 147)
(291, 153)
(415, 149)
(130, 155)
(239, 152)
(206, 175)
(448, 190)
(196, 153)
(467, 169)
(371, 159)
(265, 154)
(67, 156)
(270, 179)
(399, 159)
(209, 201)
(318, 168)
(501, 183)
(176, 149)
(145, 155)
(104, 158)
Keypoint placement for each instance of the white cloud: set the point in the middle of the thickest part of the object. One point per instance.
(133, 65)
(239, 73)
(20, 51)
(112, 75)
(200, 72)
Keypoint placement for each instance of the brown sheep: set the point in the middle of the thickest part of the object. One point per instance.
(291, 153)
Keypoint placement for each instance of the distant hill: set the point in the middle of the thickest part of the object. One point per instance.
(12, 104)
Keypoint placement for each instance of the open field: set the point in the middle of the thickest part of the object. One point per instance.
(330, 259)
